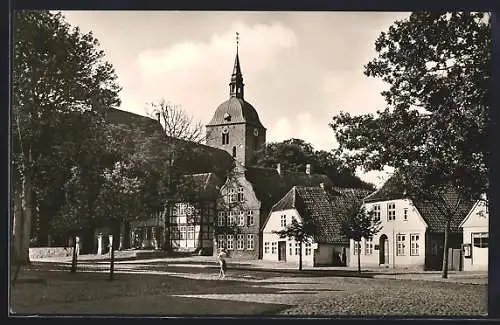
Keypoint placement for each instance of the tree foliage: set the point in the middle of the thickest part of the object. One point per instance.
(301, 232)
(176, 122)
(59, 74)
(294, 154)
(434, 130)
(438, 68)
(357, 223)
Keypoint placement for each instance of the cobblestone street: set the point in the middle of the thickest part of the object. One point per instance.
(178, 289)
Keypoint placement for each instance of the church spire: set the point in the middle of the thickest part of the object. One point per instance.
(236, 85)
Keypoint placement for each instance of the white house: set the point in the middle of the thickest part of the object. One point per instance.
(317, 205)
(412, 233)
(475, 237)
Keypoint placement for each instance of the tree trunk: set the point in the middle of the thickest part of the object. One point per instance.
(75, 256)
(112, 259)
(23, 208)
(300, 255)
(359, 256)
(444, 273)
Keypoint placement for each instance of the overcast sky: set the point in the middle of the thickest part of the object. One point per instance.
(299, 68)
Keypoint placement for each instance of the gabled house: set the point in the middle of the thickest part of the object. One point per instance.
(475, 237)
(412, 233)
(248, 196)
(320, 205)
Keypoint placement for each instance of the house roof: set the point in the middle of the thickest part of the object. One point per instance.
(198, 186)
(393, 189)
(323, 207)
(270, 186)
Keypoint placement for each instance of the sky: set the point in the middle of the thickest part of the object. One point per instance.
(300, 68)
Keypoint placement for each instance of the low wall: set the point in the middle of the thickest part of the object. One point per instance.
(44, 252)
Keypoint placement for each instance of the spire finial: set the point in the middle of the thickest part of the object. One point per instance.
(237, 41)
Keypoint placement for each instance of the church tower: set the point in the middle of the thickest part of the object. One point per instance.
(235, 126)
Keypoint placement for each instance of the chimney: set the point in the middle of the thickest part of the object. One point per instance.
(308, 169)
(158, 116)
(278, 168)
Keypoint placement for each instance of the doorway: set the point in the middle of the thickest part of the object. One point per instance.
(383, 250)
(282, 251)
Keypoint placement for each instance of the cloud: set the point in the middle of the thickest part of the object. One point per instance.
(193, 73)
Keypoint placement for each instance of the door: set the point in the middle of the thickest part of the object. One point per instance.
(282, 251)
(383, 250)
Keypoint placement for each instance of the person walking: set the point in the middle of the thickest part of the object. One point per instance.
(223, 266)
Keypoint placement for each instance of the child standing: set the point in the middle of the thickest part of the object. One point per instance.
(223, 266)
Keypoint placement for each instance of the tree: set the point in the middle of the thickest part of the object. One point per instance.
(294, 154)
(357, 223)
(176, 122)
(436, 119)
(301, 232)
(118, 201)
(57, 71)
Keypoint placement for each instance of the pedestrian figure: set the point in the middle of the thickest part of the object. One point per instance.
(223, 266)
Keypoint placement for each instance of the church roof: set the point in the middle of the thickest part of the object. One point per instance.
(239, 111)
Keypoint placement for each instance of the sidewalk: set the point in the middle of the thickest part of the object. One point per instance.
(127, 257)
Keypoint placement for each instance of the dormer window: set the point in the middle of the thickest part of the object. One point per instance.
(227, 117)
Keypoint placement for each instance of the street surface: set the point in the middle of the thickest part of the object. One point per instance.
(180, 288)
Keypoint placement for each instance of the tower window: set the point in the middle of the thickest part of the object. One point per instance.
(234, 152)
(225, 138)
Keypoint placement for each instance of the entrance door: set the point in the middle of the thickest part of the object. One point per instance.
(383, 250)
(282, 251)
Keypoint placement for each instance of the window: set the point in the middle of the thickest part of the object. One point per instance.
(391, 211)
(369, 246)
(220, 218)
(290, 248)
(182, 209)
(225, 138)
(220, 241)
(356, 248)
(175, 233)
(240, 197)
(234, 152)
(190, 234)
(241, 219)
(189, 210)
(230, 241)
(308, 249)
(376, 212)
(297, 248)
(250, 218)
(183, 232)
(400, 243)
(231, 196)
(405, 214)
(232, 219)
(283, 221)
(414, 244)
(274, 247)
(240, 244)
(250, 241)
(266, 247)
(480, 239)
